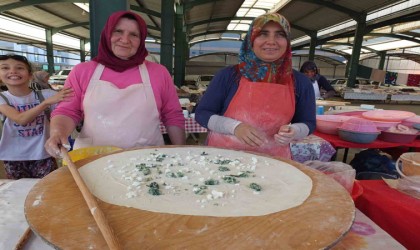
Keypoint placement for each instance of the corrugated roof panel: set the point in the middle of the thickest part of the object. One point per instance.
(39, 17)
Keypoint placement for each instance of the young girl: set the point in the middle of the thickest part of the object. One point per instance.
(25, 124)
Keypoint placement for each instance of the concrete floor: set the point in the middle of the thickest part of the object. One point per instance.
(412, 107)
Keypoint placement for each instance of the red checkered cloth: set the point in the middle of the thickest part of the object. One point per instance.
(191, 126)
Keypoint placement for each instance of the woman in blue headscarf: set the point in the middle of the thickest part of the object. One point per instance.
(261, 104)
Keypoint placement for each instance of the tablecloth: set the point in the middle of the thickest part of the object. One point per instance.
(311, 148)
(339, 143)
(406, 97)
(364, 234)
(395, 212)
(364, 96)
(191, 126)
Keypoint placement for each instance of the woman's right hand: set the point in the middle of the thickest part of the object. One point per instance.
(55, 142)
(249, 135)
(61, 95)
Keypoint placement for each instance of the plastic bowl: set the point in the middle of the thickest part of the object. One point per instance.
(397, 137)
(82, 153)
(410, 164)
(388, 115)
(359, 125)
(411, 121)
(381, 125)
(356, 113)
(328, 124)
(357, 137)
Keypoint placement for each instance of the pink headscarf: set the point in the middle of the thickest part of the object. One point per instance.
(106, 56)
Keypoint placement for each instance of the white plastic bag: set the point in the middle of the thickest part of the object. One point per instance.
(339, 171)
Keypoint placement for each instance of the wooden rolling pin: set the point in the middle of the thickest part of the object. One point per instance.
(97, 213)
(23, 239)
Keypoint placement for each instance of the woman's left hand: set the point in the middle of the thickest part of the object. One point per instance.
(285, 135)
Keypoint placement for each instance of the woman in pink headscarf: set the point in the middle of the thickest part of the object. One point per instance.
(120, 96)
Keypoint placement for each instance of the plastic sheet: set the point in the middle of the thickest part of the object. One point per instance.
(408, 166)
(410, 185)
(339, 171)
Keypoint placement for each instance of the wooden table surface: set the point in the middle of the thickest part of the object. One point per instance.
(56, 211)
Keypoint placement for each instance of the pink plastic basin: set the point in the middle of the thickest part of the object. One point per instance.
(381, 125)
(397, 137)
(329, 124)
(411, 121)
(388, 115)
(359, 125)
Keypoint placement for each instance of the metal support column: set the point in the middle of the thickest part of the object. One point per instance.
(99, 11)
(382, 55)
(167, 34)
(50, 51)
(357, 47)
(82, 50)
(180, 46)
(311, 56)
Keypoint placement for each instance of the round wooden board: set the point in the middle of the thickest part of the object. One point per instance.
(57, 212)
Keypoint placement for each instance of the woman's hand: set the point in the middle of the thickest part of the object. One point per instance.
(55, 142)
(61, 95)
(249, 135)
(285, 135)
(60, 129)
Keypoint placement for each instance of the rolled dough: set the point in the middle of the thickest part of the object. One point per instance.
(181, 173)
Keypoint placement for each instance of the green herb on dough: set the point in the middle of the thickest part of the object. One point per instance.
(170, 175)
(222, 162)
(242, 174)
(179, 174)
(161, 157)
(200, 190)
(173, 175)
(255, 186)
(142, 168)
(224, 169)
(154, 189)
(211, 182)
(230, 179)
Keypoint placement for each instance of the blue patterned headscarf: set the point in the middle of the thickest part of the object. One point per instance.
(256, 70)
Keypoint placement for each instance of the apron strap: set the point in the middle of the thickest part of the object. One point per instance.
(144, 74)
(98, 72)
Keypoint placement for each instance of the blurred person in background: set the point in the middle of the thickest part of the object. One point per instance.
(40, 80)
(322, 86)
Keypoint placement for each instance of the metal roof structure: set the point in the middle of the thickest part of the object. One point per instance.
(206, 20)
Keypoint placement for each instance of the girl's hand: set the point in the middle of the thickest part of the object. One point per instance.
(62, 95)
(249, 135)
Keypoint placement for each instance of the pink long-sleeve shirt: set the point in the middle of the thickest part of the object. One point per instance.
(163, 87)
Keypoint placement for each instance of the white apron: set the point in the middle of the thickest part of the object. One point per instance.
(120, 117)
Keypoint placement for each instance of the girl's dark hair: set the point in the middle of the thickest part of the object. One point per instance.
(17, 58)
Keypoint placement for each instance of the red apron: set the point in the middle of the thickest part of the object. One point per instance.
(265, 106)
